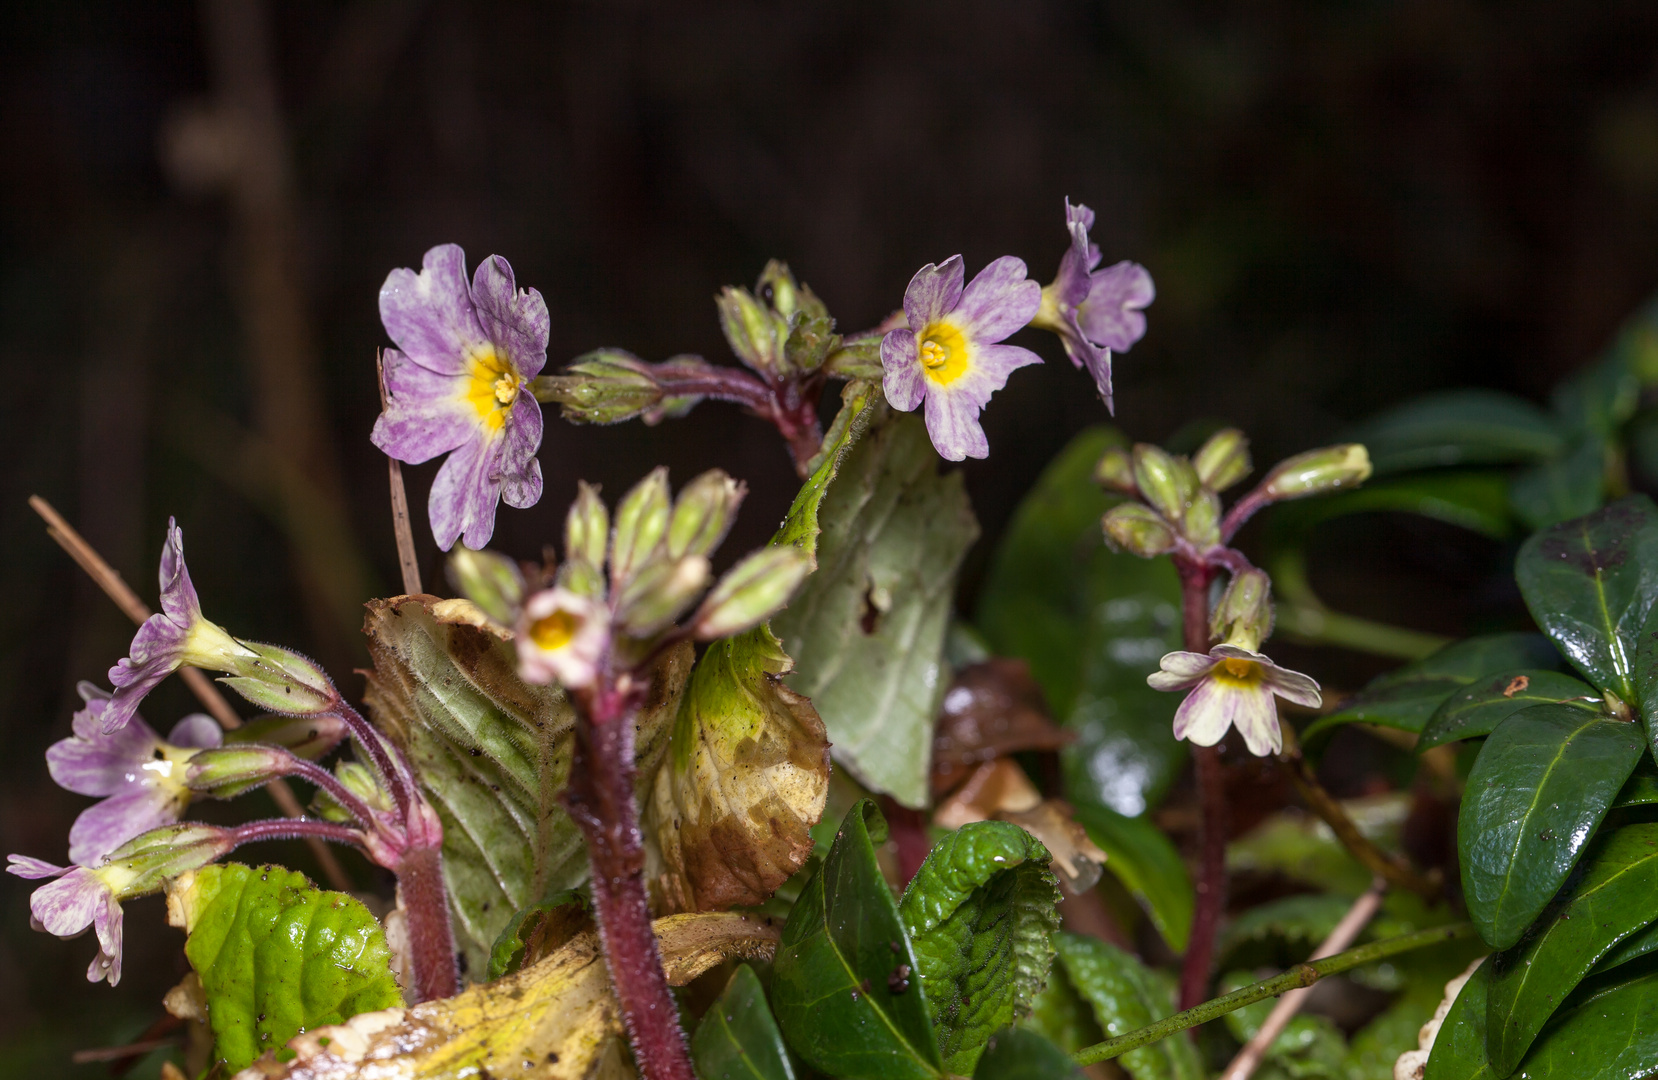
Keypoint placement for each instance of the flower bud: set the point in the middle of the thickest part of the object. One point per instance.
(490, 580)
(602, 387)
(309, 737)
(1116, 471)
(1244, 615)
(754, 332)
(582, 578)
(1223, 460)
(1138, 529)
(360, 780)
(139, 866)
(751, 592)
(856, 360)
(660, 593)
(1158, 476)
(587, 527)
(641, 523)
(1202, 524)
(227, 771)
(703, 513)
(1318, 471)
(282, 681)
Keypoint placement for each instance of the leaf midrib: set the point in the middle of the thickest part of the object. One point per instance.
(1536, 796)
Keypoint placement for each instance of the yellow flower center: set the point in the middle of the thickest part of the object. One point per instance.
(1238, 672)
(554, 631)
(944, 353)
(492, 385)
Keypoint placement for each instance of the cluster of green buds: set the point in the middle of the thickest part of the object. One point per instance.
(781, 330)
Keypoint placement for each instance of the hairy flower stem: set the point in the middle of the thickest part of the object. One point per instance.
(600, 800)
(1211, 787)
(426, 911)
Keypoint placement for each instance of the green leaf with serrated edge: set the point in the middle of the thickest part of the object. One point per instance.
(1125, 995)
(1541, 785)
(1641, 789)
(1591, 584)
(1093, 624)
(1406, 697)
(1309, 1047)
(866, 630)
(492, 753)
(834, 990)
(748, 774)
(1614, 895)
(1022, 1054)
(1562, 488)
(1478, 709)
(536, 931)
(1459, 427)
(1610, 1033)
(276, 956)
(1140, 856)
(737, 1038)
(1459, 1048)
(979, 914)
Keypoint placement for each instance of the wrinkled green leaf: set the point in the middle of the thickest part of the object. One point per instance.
(1539, 789)
(537, 931)
(277, 956)
(867, 628)
(1591, 583)
(1478, 709)
(1459, 427)
(1309, 1047)
(1125, 995)
(1459, 1049)
(1616, 895)
(838, 989)
(1140, 856)
(1407, 697)
(1092, 624)
(980, 913)
(492, 753)
(1562, 488)
(737, 1038)
(1022, 1054)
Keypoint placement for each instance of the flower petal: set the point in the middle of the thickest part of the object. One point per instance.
(933, 292)
(1256, 718)
(1180, 670)
(464, 494)
(1235, 652)
(953, 424)
(988, 372)
(1206, 713)
(178, 596)
(33, 869)
(1111, 315)
(516, 321)
(107, 923)
(997, 302)
(96, 763)
(1292, 686)
(197, 731)
(520, 471)
(426, 412)
(134, 678)
(903, 381)
(430, 314)
(106, 825)
(71, 903)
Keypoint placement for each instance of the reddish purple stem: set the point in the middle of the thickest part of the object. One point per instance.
(1211, 786)
(789, 404)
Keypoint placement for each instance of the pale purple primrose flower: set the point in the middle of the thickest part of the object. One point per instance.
(79, 898)
(175, 636)
(139, 777)
(458, 384)
(1232, 687)
(562, 637)
(949, 355)
(1094, 312)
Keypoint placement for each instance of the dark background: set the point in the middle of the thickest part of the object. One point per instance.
(1343, 204)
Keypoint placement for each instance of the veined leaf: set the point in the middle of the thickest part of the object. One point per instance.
(1609, 1034)
(1537, 792)
(1477, 710)
(1126, 995)
(1407, 697)
(840, 990)
(1092, 623)
(493, 753)
(737, 1038)
(1459, 1049)
(1459, 427)
(1148, 865)
(1591, 583)
(1023, 1054)
(867, 628)
(277, 956)
(980, 913)
(1616, 895)
(556, 1019)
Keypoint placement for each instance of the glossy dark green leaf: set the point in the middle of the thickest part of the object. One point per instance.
(1459, 427)
(1615, 895)
(1590, 584)
(1149, 866)
(1609, 1035)
(1406, 697)
(1126, 995)
(1477, 709)
(737, 1038)
(1022, 1054)
(1646, 678)
(1641, 789)
(838, 987)
(1562, 488)
(1092, 624)
(1633, 947)
(1542, 783)
(1459, 1049)
(980, 913)
(276, 956)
